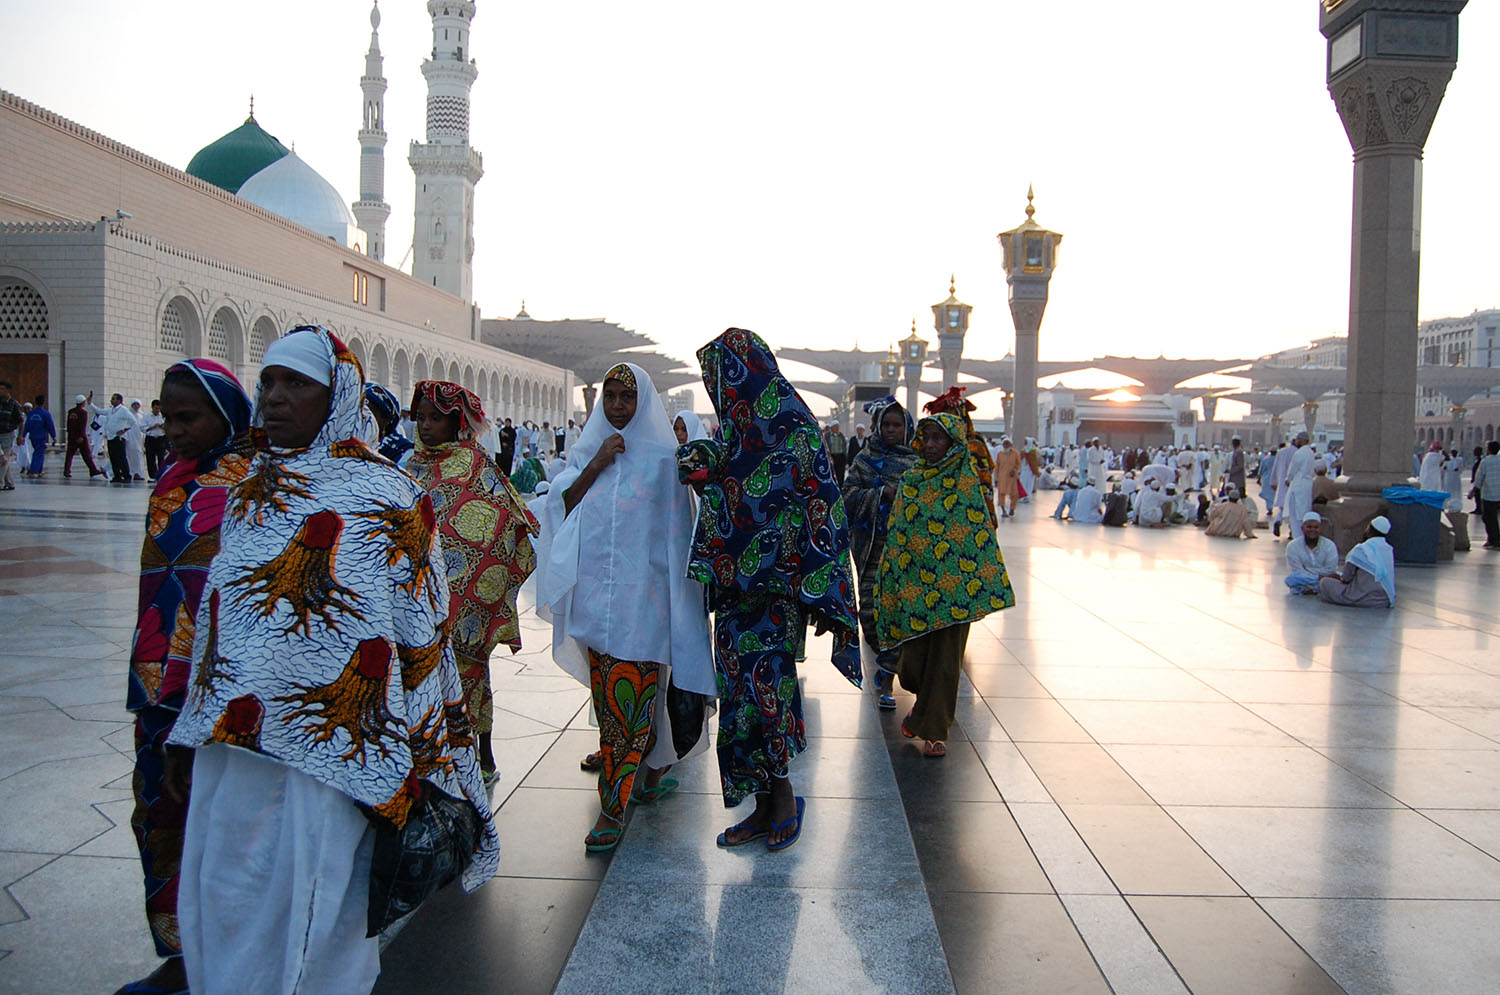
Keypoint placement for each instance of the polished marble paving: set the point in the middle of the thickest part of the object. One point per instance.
(1166, 776)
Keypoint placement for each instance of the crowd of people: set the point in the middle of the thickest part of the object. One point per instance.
(321, 590)
(326, 572)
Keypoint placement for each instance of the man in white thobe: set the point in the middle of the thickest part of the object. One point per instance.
(1187, 468)
(1278, 477)
(1310, 558)
(1430, 476)
(1299, 478)
(1094, 457)
(1151, 507)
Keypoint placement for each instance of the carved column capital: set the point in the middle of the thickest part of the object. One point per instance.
(1027, 315)
(1389, 106)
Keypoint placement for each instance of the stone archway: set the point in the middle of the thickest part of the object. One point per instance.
(25, 322)
(180, 329)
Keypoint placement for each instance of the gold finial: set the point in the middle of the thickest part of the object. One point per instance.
(952, 284)
(1030, 196)
(252, 109)
(914, 327)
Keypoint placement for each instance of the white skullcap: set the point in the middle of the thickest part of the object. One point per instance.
(1311, 516)
(1381, 524)
(79, 399)
(304, 352)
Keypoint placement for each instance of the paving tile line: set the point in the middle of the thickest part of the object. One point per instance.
(618, 886)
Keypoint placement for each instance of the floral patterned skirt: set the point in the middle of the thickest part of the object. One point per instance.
(756, 644)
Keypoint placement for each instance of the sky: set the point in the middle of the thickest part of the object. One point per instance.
(815, 171)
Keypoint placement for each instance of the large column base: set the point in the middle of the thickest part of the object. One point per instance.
(1350, 516)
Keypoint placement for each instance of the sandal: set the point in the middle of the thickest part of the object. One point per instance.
(603, 840)
(935, 748)
(755, 834)
(663, 788)
(886, 703)
(906, 729)
(778, 827)
(591, 763)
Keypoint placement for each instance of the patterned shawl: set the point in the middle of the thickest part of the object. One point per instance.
(771, 520)
(486, 533)
(182, 536)
(953, 402)
(864, 485)
(323, 640)
(941, 565)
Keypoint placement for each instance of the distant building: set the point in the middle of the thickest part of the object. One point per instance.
(1473, 340)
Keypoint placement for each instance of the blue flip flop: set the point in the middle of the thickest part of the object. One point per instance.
(756, 834)
(778, 827)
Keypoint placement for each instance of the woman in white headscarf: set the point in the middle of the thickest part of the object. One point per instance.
(135, 443)
(626, 620)
(688, 427)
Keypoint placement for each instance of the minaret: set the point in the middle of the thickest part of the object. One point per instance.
(371, 210)
(446, 167)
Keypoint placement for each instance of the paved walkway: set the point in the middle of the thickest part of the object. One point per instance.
(1168, 776)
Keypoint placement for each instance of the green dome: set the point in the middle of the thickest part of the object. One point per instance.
(236, 157)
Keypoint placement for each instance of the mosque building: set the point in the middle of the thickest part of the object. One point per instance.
(113, 264)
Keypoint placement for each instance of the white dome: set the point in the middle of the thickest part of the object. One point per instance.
(293, 189)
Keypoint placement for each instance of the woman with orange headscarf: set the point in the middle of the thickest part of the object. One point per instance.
(486, 532)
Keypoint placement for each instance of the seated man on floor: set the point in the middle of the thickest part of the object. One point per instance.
(1369, 577)
(1311, 558)
(1152, 507)
(1230, 518)
(1088, 506)
(1068, 499)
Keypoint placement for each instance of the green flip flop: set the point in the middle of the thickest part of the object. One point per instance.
(663, 788)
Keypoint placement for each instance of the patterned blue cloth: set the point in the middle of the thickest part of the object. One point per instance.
(772, 521)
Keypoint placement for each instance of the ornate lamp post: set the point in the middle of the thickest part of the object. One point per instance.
(951, 320)
(1030, 256)
(1458, 413)
(1389, 62)
(913, 355)
(1310, 416)
(890, 368)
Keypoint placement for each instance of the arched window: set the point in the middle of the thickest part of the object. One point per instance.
(262, 334)
(173, 333)
(218, 337)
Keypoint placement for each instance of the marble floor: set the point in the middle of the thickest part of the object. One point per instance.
(1168, 776)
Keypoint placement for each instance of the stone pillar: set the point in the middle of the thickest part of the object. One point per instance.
(1310, 413)
(913, 373)
(1210, 407)
(1027, 315)
(589, 393)
(1389, 66)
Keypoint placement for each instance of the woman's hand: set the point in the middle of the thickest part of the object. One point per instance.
(612, 447)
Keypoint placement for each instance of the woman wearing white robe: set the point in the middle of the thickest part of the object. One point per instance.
(612, 578)
(135, 443)
(1430, 477)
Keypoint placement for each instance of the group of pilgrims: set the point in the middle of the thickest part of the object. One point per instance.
(320, 596)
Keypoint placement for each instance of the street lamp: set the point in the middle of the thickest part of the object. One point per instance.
(1030, 256)
(913, 355)
(890, 367)
(951, 320)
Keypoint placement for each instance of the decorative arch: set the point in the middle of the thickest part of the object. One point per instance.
(419, 370)
(453, 371)
(401, 375)
(226, 336)
(262, 334)
(380, 365)
(179, 325)
(494, 392)
(357, 347)
(468, 380)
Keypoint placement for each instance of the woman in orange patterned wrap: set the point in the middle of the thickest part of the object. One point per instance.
(487, 534)
(323, 700)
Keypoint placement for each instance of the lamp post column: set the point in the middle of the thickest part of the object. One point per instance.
(1389, 62)
(1030, 256)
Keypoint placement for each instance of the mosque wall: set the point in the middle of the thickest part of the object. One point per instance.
(197, 271)
(122, 305)
(52, 169)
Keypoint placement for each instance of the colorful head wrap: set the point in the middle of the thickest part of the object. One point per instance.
(451, 398)
(772, 519)
(223, 389)
(622, 373)
(382, 402)
(950, 400)
(941, 566)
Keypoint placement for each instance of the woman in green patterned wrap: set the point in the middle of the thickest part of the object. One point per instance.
(941, 571)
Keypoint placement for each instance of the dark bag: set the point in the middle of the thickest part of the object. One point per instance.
(688, 712)
(411, 862)
(1116, 510)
